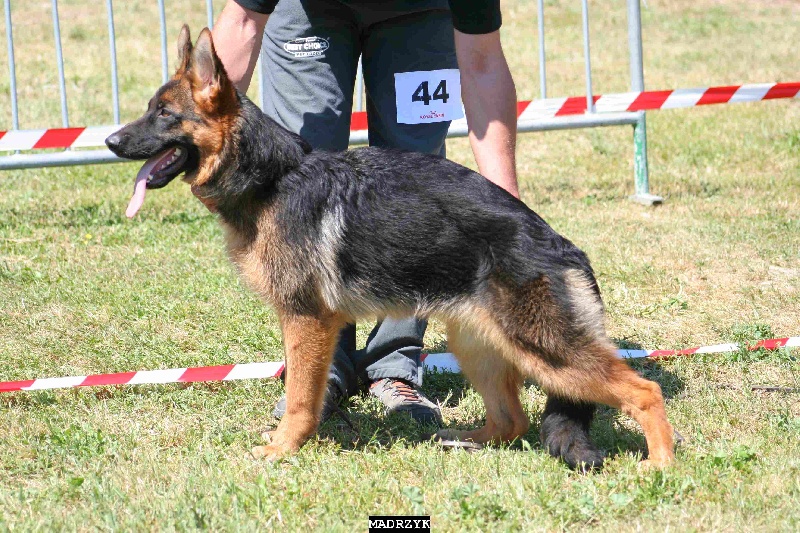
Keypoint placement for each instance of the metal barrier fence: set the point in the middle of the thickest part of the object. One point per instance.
(68, 157)
(459, 128)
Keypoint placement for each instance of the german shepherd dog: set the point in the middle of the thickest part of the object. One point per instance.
(329, 238)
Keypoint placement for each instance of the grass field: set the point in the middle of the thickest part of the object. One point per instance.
(84, 290)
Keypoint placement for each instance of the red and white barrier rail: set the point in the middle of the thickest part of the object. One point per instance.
(651, 100)
(55, 138)
(435, 362)
(526, 111)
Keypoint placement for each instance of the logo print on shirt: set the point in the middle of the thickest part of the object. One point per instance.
(307, 46)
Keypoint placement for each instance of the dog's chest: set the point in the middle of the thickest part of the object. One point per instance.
(261, 259)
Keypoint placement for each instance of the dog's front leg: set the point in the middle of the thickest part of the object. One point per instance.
(309, 342)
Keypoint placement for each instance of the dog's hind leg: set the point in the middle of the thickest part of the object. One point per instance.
(597, 375)
(551, 328)
(496, 380)
(309, 343)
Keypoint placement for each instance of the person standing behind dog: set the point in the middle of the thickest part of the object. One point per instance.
(411, 57)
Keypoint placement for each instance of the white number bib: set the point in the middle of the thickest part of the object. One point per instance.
(428, 96)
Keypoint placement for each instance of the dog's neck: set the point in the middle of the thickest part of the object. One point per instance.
(260, 153)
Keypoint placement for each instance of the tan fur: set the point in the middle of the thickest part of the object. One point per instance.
(584, 298)
(497, 380)
(309, 343)
(210, 142)
(530, 313)
(184, 51)
(267, 263)
(213, 97)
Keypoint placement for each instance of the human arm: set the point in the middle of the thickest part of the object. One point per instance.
(237, 39)
(487, 90)
(490, 102)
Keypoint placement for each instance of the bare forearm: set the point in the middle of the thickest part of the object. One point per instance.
(490, 97)
(237, 40)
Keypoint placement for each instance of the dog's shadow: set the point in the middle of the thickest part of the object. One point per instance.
(611, 431)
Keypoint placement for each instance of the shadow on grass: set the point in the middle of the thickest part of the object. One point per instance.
(611, 432)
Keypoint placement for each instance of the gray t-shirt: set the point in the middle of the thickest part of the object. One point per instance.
(469, 16)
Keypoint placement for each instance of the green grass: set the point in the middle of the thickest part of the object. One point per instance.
(83, 290)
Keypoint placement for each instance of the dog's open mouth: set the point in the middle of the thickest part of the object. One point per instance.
(156, 173)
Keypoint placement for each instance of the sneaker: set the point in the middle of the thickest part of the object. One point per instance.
(333, 397)
(401, 397)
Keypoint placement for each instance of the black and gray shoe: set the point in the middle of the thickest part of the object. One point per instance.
(401, 397)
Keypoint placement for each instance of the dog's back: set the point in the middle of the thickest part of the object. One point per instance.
(413, 230)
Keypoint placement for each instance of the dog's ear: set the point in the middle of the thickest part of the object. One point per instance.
(207, 69)
(211, 87)
(184, 50)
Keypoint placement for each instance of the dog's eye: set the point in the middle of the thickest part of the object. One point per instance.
(164, 113)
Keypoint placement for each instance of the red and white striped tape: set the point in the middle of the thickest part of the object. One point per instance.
(434, 362)
(526, 111)
(170, 375)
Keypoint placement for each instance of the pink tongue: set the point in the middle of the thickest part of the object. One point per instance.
(140, 185)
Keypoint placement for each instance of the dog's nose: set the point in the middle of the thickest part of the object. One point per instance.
(114, 141)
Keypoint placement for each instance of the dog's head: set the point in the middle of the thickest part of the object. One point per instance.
(186, 123)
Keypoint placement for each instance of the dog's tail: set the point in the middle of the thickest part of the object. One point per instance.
(585, 304)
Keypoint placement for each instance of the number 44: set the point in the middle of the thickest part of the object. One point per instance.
(422, 94)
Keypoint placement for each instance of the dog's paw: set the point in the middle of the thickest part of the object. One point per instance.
(565, 434)
(569, 441)
(271, 452)
(654, 464)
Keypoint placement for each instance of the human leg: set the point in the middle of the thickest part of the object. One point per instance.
(403, 42)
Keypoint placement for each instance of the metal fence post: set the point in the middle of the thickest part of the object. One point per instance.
(587, 58)
(12, 68)
(360, 85)
(112, 45)
(164, 62)
(642, 183)
(210, 14)
(542, 55)
(62, 83)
